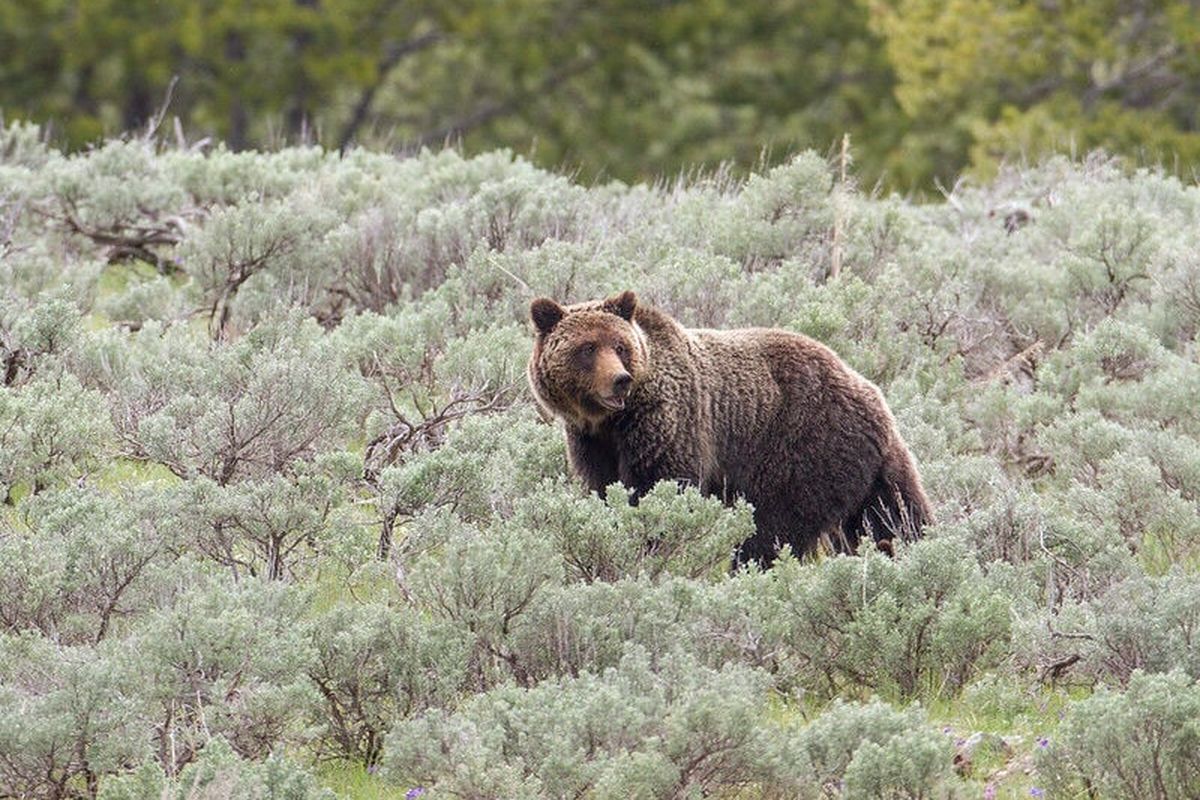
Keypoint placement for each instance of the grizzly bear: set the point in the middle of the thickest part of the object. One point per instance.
(768, 415)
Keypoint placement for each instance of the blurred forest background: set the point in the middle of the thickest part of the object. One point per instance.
(925, 88)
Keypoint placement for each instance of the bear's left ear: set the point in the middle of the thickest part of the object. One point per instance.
(623, 305)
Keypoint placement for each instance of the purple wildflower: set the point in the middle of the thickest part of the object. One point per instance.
(1043, 742)
(989, 792)
(1036, 792)
(414, 793)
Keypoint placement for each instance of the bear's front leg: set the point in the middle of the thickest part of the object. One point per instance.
(640, 471)
(593, 458)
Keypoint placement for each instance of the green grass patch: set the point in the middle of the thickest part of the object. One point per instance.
(129, 472)
(998, 725)
(116, 278)
(353, 782)
(1160, 551)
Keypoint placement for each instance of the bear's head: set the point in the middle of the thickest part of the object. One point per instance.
(588, 357)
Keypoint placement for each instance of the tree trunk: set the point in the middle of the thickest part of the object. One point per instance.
(394, 55)
(298, 115)
(235, 53)
(139, 107)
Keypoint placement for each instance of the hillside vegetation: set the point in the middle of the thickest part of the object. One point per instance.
(279, 517)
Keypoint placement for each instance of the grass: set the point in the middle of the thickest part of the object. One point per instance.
(1160, 551)
(116, 278)
(1014, 721)
(353, 781)
(120, 472)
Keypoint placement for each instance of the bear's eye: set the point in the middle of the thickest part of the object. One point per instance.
(585, 351)
(622, 351)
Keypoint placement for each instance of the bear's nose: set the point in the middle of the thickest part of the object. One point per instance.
(621, 383)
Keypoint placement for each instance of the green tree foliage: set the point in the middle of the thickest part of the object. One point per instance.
(988, 81)
(924, 89)
(495, 74)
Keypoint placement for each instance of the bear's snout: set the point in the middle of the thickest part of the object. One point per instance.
(614, 399)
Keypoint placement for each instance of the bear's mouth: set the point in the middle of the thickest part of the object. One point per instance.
(612, 403)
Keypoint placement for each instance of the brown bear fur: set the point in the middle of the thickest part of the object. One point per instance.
(764, 414)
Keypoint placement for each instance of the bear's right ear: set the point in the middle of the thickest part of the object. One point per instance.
(545, 314)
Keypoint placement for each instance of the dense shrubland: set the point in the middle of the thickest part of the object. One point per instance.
(274, 493)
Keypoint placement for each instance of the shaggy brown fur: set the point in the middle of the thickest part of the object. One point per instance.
(768, 415)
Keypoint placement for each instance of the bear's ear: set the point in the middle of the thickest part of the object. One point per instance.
(545, 314)
(623, 305)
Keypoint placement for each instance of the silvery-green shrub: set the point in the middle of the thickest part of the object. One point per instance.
(872, 750)
(375, 663)
(217, 772)
(1143, 742)
(668, 531)
(81, 561)
(228, 411)
(223, 658)
(650, 727)
(926, 620)
(68, 715)
(52, 430)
